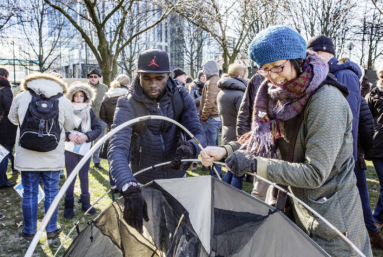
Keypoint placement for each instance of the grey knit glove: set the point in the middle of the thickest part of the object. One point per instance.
(242, 161)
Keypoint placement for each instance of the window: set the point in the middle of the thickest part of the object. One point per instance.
(159, 33)
(159, 47)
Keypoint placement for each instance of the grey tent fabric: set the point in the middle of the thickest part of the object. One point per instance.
(199, 216)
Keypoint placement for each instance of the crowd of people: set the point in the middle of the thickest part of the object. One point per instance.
(306, 120)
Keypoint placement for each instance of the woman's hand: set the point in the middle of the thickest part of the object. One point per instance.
(240, 162)
(73, 138)
(214, 153)
(82, 139)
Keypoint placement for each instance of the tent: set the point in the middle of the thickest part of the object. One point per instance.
(198, 216)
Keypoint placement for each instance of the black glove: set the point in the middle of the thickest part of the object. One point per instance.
(185, 150)
(242, 161)
(135, 208)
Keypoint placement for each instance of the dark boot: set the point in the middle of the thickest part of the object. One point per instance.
(68, 211)
(375, 239)
(85, 200)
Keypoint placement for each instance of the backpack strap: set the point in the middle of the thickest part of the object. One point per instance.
(178, 104)
(139, 111)
(42, 96)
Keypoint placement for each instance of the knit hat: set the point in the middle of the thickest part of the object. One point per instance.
(321, 43)
(94, 71)
(153, 61)
(178, 72)
(277, 43)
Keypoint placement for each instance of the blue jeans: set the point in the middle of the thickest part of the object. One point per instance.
(97, 159)
(361, 183)
(378, 213)
(211, 128)
(4, 167)
(233, 180)
(30, 180)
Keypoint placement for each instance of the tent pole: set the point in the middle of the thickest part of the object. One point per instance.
(72, 176)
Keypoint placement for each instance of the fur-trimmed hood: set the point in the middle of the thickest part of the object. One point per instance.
(83, 87)
(43, 83)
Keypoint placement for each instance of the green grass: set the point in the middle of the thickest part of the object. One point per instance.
(11, 244)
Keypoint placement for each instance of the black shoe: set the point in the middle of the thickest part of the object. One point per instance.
(68, 211)
(98, 166)
(26, 236)
(85, 201)
(53, 234)
(1, 216)
(8, 185)
(15, 172)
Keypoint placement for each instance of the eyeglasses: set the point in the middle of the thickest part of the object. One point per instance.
(93, 77)
(277, 69)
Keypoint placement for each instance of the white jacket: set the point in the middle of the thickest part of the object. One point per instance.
(28, 160)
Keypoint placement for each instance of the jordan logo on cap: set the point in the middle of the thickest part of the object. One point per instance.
(153, 62)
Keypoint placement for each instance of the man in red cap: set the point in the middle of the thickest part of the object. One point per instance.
(153, 92)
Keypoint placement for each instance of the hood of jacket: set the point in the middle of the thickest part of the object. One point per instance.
(232, 84)
(4, 82)
(115, 92)
(331, 80)
(335, 65)
(211, 68)
(45, 84)
(83, 87)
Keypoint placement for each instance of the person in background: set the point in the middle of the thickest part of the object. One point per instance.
(196, 88)
(94, 81)
(35, 165)
(210, 120)
(7, 128)
(81, 95)
(365, 143)
(375, 154)
(189, 79)
(301, 137)
(229, 100)
(347, 73)
(118, 88)
(179, 77)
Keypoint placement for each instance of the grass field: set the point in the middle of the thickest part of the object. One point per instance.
(11, 244)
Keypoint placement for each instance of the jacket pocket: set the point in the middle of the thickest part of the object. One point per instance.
(331, 211)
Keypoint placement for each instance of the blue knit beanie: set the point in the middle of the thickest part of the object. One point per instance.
(277, 43)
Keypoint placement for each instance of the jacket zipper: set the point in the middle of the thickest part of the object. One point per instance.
(139, 160)
(162, 140)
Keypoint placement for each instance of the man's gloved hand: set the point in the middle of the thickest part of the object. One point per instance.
(185, 150)
(135, 208)
(242, 161)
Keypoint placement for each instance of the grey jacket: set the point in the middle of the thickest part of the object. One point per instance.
(229, 100)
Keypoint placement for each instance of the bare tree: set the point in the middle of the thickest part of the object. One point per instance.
(107, 19)
(377, 6)
(332, 18)
(225, 22)
(9, 9)
(43, 32)
(370, 32)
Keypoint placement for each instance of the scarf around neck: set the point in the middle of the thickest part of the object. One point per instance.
(82, 116)
(273, 106)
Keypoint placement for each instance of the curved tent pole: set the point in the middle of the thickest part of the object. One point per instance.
(71, 177)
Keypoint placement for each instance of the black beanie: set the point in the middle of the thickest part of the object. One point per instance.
(200, 73)
(178, 72)
(321, 43)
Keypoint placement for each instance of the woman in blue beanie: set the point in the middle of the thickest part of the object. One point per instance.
(301, 138)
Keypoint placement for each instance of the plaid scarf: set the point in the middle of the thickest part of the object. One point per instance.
(274, 105)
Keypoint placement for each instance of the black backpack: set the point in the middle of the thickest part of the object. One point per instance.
(40, 130)
(140, 127)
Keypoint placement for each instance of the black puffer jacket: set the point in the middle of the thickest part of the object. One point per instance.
(375, 103)
(95, 128)
(246, 109)
(7, 129)
(108, 105)
(229, 99)
(159, 141)
(196, 93)
(365, 133)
